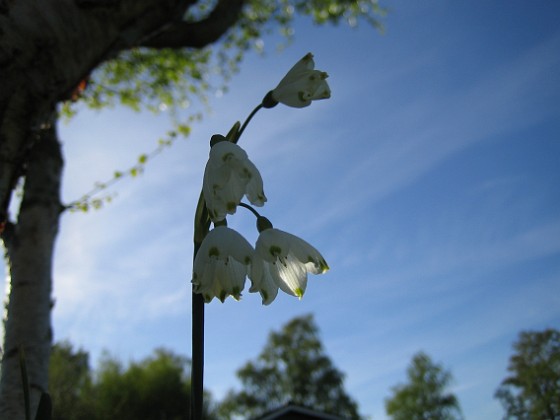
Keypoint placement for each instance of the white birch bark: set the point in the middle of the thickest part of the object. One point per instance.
(30, 245)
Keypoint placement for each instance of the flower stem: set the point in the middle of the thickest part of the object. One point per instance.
(201, 227)
(250, 208)
(197, 368)
(249, 118)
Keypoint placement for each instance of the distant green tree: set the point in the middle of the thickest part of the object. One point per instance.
(292, 367)
(70, 383)
(156, 388)
(533, 389)
(424, 396)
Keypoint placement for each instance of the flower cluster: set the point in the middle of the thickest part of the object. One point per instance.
(279, 259)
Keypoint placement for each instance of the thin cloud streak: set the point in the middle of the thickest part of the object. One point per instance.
(502, 102)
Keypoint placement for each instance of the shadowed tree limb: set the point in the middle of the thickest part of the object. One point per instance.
(198, 34)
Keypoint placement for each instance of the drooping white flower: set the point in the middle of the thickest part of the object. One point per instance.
(229, 175)
(283, 260)
(221, 264)
(301, 85)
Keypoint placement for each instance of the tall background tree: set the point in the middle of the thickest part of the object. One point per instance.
(292, 368)
(70, 383)
(532, 391)
(157, 387)
(139, 53)
(425, 395)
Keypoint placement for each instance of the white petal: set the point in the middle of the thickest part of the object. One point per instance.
(228, 176)
(221, 264)
(308, 255)
(301, 86)
(221, 151)
(302, 66)
(272, 243)
(254, 188)
(292, 276)
(262, 282)
(236, 273)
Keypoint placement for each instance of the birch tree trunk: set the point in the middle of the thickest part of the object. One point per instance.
(29, 245)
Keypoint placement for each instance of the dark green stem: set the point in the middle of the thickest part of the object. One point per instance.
(197, 369)
(201, 228)
(250, 208)
(249, 118)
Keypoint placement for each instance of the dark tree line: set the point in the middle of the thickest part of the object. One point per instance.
(293, 367)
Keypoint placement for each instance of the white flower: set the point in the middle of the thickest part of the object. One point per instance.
(221, 264)
(229, 175)
(282, 261)
(301, 85)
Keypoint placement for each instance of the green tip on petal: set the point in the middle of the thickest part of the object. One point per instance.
(223, 295)
(299, 292)
(324, 266)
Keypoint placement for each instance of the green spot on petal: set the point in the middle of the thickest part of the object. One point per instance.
(275, 250)
(214, 252)
(299, 292)
(231, 206)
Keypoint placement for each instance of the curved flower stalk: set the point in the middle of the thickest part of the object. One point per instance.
(283, 260)
(301, 85)
(222, 264)
(229, 175)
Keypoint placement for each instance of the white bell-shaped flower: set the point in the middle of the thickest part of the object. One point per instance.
(221, 264)
(283, 260)
(301, 85)
(229, 175)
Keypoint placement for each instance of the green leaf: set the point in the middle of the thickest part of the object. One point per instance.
(184, 130)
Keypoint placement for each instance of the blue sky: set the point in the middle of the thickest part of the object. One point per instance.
(429, 181)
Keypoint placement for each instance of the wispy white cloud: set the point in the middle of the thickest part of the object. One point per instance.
(418, 135)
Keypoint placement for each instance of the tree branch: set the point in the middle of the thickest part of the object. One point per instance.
(198, 34)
